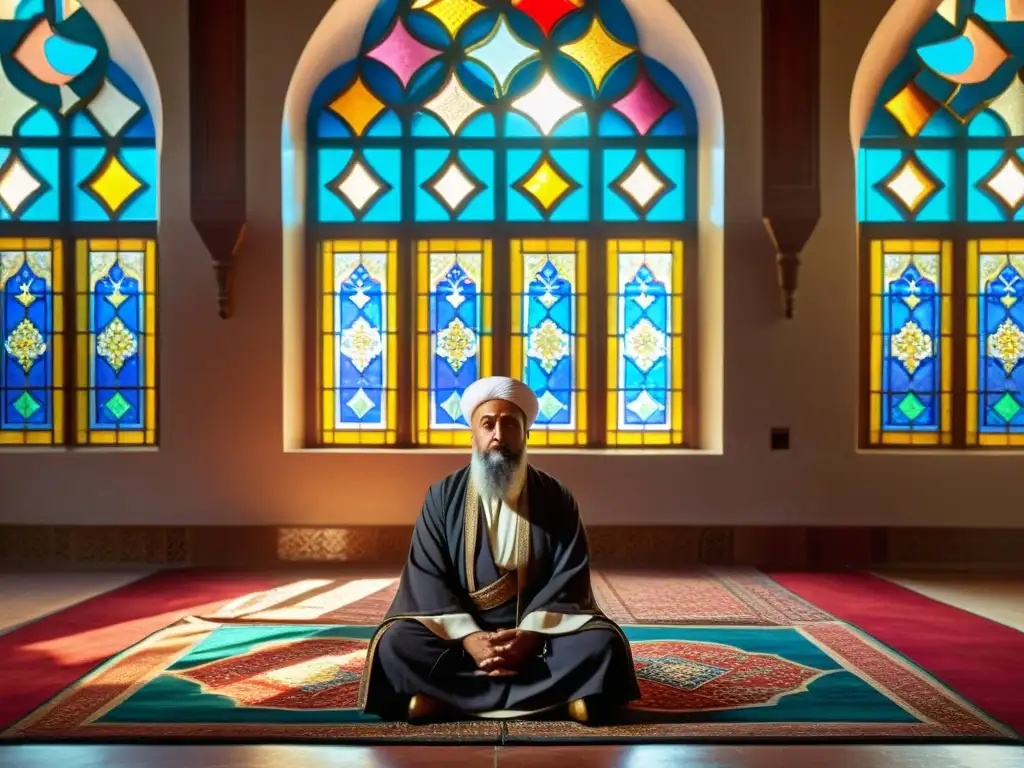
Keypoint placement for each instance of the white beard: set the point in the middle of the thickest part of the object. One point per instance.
(494, 475)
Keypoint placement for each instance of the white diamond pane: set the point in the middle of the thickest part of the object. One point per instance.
(546, 104)
(453, 105)
(907, 187)
(17, 185)
(642, 185)
(112, 109)
(359, 186)
(454, 186)
(1008, 183)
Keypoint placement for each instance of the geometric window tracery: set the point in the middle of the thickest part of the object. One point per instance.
(523, 121)
(78, 187)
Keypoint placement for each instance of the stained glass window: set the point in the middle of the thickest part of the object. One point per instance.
(454, 328)
(523, 122)
(359, 359)
(549, 326)
(78, 173)
(941, 189)
(645, 342)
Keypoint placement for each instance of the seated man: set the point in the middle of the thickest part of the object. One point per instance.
(494, 615)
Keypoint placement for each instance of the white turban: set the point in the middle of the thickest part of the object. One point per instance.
(500, 388)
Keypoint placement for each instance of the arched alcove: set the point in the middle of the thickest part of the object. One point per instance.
(662, 37)
(936, 123)
(79, 199)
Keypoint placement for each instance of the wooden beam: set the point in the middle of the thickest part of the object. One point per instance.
(217, 116)
(791, 206)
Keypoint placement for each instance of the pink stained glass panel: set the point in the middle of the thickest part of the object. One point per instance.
(644, 105)
(402, 53)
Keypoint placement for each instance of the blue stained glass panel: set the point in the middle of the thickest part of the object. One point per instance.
(1001, 344)
(387, 125)
(550, 331)
(83, 127)
(911, 343)
(940, 206)
(139, 162)
(361, 357)
(329, 126)
(26, 326)
(456, 327)
(645, 356)
(117, 322)
(671, 203)
(616, 161)
(986, 126)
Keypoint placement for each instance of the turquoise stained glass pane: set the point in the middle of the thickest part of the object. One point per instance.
(364, 186)
(83, 127)
(26, 325)
(32, 174)
(1001, 343)
(40, 123)
(939, 162)
(986, 126)
(644, 186)
(361, 339)
(889, 192)
(117, 324)
(124, 190)
(454, 186)
(552, 187)
(994, 185)
(911, 344)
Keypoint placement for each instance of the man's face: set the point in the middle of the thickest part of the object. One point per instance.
(499, 426)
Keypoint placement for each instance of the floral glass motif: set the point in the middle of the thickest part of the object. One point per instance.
(77, 160)
(116, 396)
(995, 373)
(359, 366)
(493, 112)
(911, 368)
(549, 326)
(645, 323)
(33, 341)
(453, 344)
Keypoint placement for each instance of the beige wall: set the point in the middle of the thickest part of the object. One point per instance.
(222, 460)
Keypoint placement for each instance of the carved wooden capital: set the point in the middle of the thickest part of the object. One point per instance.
(217, 115)
(791, 204)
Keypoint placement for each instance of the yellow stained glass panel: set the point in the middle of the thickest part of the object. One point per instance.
(116, 344)
(454, 334)
(987, 262)
(453, 14)
(912, 108)
(549, 327)
(645, 343)
(901, 273)
(32, 331)
(359, 342)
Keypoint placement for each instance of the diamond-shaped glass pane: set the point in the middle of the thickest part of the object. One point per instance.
(454, 105)
(546, 104)
(453, 14)
(546, 184)
(17, 185)
(454, 187)
(503, 52)
(1008, 183)
(114, 184)
(360, 185)
(357, 106)
(912, 108)
(643, 185)
(911, 185)
(402, 53)
(597, 52)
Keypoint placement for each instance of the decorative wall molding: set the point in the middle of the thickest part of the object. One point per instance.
(217, 115)
(611, 546)
(791, 64)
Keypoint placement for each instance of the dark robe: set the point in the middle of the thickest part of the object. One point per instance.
(406, 658)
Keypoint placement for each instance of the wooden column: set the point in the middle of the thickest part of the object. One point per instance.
(217, 116)
(790, 38)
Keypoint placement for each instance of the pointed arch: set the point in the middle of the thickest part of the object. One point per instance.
(79, 198)
(935, 119)
(683, 73)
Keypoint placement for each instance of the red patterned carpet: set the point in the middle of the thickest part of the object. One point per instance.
(733, 653)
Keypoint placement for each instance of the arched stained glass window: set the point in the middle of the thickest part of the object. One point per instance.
(78, 174)
(501, 187)
(941, 177)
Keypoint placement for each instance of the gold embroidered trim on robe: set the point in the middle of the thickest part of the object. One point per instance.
(497, 593)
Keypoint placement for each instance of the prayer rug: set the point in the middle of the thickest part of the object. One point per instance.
(260, 682)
